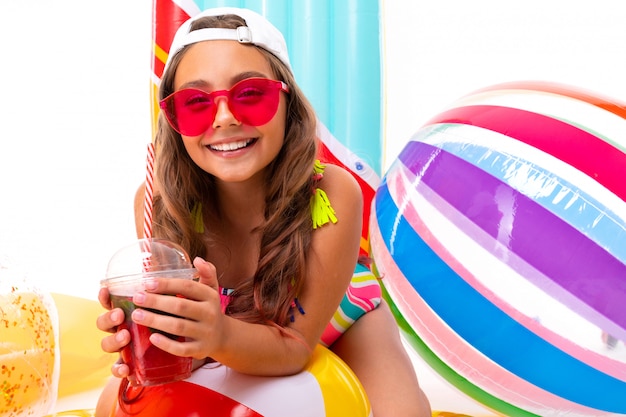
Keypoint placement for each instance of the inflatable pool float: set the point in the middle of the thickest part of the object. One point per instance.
(29, 350)
(325, 388)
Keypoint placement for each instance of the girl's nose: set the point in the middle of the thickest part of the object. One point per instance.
(223, 115)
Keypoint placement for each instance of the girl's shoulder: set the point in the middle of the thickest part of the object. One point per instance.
(337, 181)
(337, 195)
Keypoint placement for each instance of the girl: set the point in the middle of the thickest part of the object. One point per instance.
(275, 234)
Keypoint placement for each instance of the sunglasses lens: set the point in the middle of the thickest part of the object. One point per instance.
(190, 111)
(253, 101)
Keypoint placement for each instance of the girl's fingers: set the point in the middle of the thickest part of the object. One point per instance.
(207, 271)
(176, 327)
(179, 326)
(192, 300)
(183, 308)
(189, 348)
(115, 342)
(185, 288)
(109, 320)
(104, 298)
(199, 335)
(120, 370)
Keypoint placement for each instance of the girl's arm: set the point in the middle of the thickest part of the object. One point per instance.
(257, 348)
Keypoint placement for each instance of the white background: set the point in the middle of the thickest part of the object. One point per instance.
(75, 114)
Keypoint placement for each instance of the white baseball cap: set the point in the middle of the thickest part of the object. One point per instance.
(259, 31)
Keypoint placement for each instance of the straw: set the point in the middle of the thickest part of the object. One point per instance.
(147, 205)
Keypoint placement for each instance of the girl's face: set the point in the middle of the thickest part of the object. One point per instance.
(230, 150)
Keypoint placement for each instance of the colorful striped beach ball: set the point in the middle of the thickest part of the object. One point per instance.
(326, 388)
(500, 231)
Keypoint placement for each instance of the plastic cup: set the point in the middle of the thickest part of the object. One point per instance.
(128, 268)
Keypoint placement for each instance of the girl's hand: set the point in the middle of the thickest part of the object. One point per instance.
(194, 313)
(109, 322)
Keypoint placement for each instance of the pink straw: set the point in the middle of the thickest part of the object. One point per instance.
(147, 205)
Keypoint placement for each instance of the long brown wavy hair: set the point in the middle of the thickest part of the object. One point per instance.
(287, 228)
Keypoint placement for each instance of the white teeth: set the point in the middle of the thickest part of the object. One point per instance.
(232, 146)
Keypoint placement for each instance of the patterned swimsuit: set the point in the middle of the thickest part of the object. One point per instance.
(363, 294)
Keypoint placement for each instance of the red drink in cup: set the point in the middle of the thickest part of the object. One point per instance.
(127, 270)
(148, 364)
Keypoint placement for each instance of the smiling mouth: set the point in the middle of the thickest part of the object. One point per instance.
(232, 146)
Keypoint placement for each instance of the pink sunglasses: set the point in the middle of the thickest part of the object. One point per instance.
(253, 101)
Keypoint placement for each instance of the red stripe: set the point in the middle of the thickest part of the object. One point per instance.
(368, 192)
(606, 103)
(166, 19)
(182, 399)
(584, 151)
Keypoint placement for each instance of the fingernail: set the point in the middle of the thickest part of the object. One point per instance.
(155, 338)
(115, 316)
(138, 315)
(120, 337)
(139, 298)
(150, 284)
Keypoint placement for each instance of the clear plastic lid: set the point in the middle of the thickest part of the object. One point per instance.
(148, 258)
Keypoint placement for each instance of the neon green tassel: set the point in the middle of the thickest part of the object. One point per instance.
(318, 167)
(321, 210)
(196, 218)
